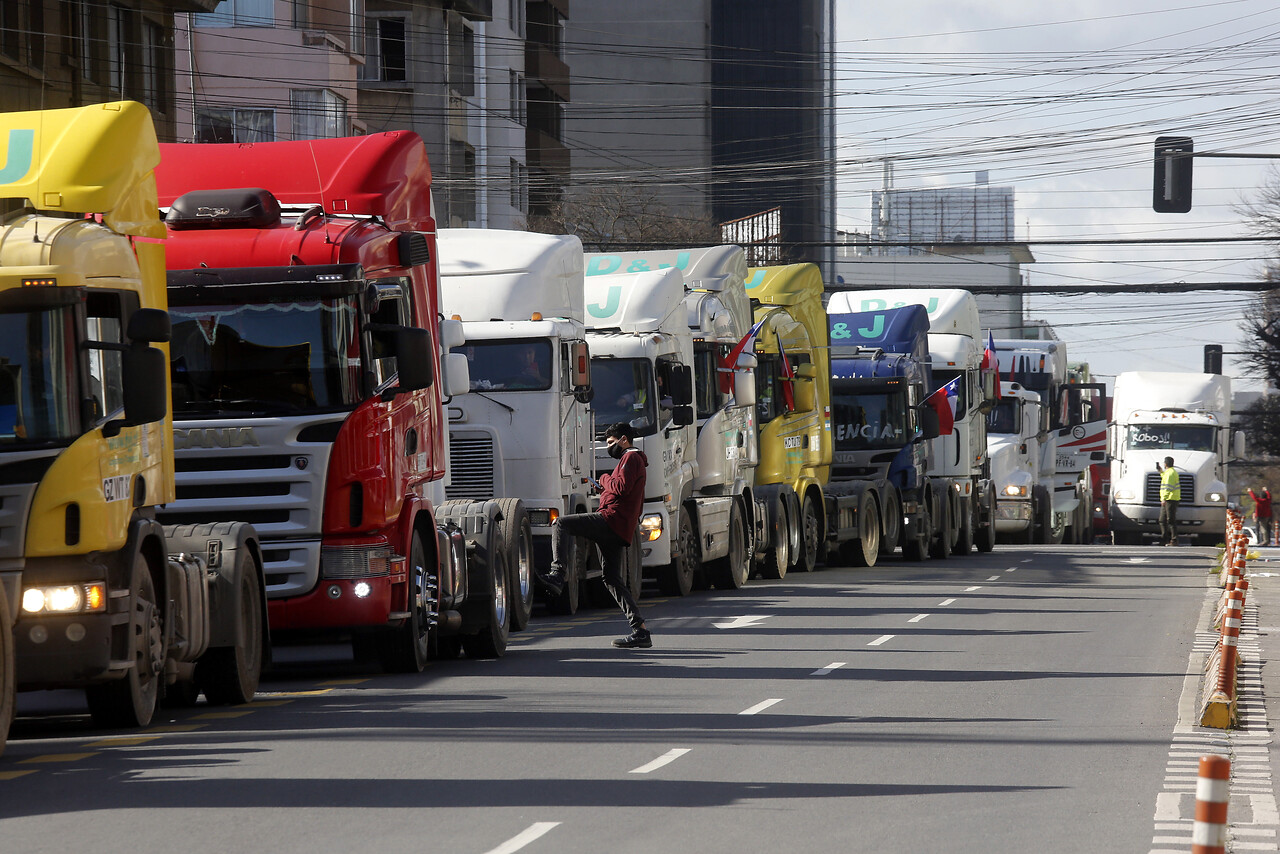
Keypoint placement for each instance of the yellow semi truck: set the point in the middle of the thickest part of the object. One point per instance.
(105, 598)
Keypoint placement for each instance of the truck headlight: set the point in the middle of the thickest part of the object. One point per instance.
(65, 599)
(651, 527)
(1215, 498)
(1124, 494)
(1016, 491)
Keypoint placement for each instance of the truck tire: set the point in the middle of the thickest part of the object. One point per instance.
(229, 675)
(985, 537)
(940, 546)
(131, 700)
(811, 535)
(890, 522)
(864, 550)
(406, 648)
(778, 555)
(676, 578)
(515, 531)
(916, 548)
(491, 640)
(964, 540)
(730, 572)
(6, 668)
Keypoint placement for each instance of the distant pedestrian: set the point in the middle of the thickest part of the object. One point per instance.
(611, 528)
(1170, 495)
(1262, 514)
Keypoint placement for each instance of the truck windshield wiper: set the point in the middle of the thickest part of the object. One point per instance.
(494, 400)
(250, 404)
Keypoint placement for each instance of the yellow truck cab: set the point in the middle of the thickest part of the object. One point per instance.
(105, 598)
(794, 413)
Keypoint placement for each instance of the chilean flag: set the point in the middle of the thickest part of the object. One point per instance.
(944, 402)
(788, 377)
(729, 362)
(990, 362)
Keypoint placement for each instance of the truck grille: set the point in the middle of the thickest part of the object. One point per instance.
(1187, 483)
(470, 467)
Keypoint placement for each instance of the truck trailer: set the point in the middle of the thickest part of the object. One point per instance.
(107, 598)
(310, 366)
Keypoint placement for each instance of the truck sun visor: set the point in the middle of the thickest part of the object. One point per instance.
(237, 208)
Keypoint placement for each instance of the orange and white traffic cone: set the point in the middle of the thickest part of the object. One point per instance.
(1213, 788)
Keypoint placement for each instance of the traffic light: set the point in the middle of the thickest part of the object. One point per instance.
(1213, 358)
(1172, 183)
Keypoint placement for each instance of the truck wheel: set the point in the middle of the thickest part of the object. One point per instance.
(778, 556)
(6, 668)
(811, 536)
(730, 572)
(229, 675)
(940, 546)
(890, 523)
(985, 537)
(131, 701)
(406, 648)
(676, 578)
(516, 532)
(917, 548)
(964, 542)
(867, 548)
(566, 604)
(491, 640)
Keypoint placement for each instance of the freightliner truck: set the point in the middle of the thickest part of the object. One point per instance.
(881, 425)
(1187, 416)
(957, 460)
(1019, 442)
(108, 600)
(715, 516)
(310, 365)
(524, 433)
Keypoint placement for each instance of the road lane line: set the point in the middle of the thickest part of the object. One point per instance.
(1027, 560)
(880, 640)
(127, 741)
(742, 622)
(665, 759)
(760, 707)
(994, 578)
(945, 602)
(56, 757)
(534, 831)
(917, 618)
(823, 671)
(1011, 569)
(971, 589)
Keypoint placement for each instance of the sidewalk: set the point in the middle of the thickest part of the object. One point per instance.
(1252, 812)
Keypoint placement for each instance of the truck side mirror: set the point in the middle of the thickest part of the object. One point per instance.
(930, 428)
(681, 385)
(455, 373)
(580, 372)
(452, 334)
(145, 387)
(805, 391)
(682, 415)
(1237, 445)
(744, 380)
(415, 365)
(150, 325)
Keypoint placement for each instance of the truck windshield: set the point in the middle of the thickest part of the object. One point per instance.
(266, 358)
(1006, 418)
(869, 419)
(509, 365)
(37, 377)
(624, 392)
(1183, 437)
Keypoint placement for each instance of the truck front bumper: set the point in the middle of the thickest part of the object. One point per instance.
(1012, 517)
(66, 649)
(1145, 518)
(335, 604)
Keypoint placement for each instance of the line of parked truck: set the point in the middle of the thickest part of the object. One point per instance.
(294, 407)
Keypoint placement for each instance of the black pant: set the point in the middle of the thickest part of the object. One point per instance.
(593, 527)
(1168, 521)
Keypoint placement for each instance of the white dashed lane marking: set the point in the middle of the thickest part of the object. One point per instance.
(917, 618)
(761, 706)
(880, 640)
(945, 602)
(529, 834)
(665, 759)
(823, 671)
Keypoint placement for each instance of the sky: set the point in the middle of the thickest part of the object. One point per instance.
(1062, 102)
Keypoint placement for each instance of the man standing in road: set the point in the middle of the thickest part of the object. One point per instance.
(611, 528)
(1262, 514)
(1170, 495)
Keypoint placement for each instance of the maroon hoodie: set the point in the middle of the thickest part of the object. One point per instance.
(622, 494)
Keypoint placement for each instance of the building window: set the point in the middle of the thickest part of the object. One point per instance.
(85, 37)
(462, 59)
(515, 15)
(238, 13)
(519, 186)
(10, 30)
(233, 125)
(301, 13)
(318, 114)
(35, 26)
(462, 205)
(387, 60)
(153, 67)
(516, 98)
(117, 48)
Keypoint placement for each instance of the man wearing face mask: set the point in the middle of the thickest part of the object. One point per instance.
(611, 528)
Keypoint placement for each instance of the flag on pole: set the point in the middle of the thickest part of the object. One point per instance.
(943, 401)
(730, 362)
(990, 362)
(788, 377)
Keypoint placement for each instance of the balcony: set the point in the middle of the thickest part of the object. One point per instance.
(547, 153)
(191, 5)
(472, 10)
(543, 66)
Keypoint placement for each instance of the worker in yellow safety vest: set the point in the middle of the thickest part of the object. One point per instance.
(1170, 495)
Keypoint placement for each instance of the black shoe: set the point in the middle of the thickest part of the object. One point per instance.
(553, 581)
(639, 639)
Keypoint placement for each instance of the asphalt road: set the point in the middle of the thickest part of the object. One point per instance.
(1019, 701)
